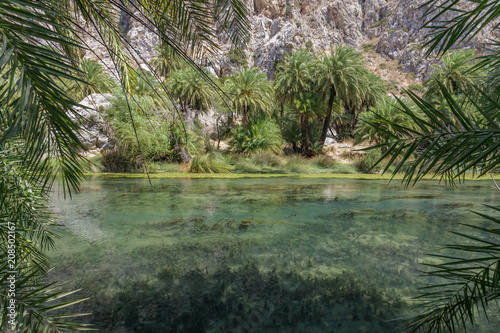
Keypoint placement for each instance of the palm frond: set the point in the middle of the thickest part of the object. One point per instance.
(448, 144)
(469, 282)
(466, 21)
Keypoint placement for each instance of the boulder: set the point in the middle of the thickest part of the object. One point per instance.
(95, 133)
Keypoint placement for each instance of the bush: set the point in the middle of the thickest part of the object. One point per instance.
(383, 66)
(417, 88)
(324, 161)
(260, 137)
(117, 161)
(368, 160)
(237, 55)
(368, 47)
(210, 163)
(269, 159)
(309, 44)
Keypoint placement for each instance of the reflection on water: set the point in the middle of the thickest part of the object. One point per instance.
(254, 255)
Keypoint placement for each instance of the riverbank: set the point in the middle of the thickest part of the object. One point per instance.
(360, 176)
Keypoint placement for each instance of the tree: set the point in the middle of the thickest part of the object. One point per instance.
(251, 92)
(294, 77)
(166, 61)
(39, 53)
(449, 144)
(338, 75)
(307, 106)
(95, 79)
(294, 87)
(456, 74)
(191, 89)
(377, 123)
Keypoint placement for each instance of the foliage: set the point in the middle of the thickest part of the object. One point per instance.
(294, 76)
(472, 274)
(375, 125)
(456, 74)
(41, 43)
(24, 214)
(237, 55)
(96, 79)
(262, 136)
(294, 86)
(368, 160)
(209, 163)
(153, 135)
(166, 61)
(450, 142)
(251, 93)
(340, 75)
(191, 89)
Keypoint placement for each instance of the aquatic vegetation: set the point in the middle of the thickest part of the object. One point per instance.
(252, 255)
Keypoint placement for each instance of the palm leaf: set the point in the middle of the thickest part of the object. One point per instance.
(472, 283)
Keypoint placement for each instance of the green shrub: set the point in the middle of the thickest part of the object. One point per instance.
(210, 163)
(383, 66)
(269, 159)
(412, 75)
(309, 44)
(117, 161)
(161, 139)
(417, 88)
(379, 23)
(298, 24)
(237, 55)
(365, 163)
(368, 47)
(262, 136)
(288, 10)
(324, 161)
(297, 164)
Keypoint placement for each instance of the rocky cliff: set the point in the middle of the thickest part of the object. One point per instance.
(389, 28)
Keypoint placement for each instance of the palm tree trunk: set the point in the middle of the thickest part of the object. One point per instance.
(246, 121)
(307, 133)
(328, 117)
(282, 112)
(355, 117)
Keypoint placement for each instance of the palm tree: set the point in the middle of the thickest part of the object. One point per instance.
(338, 76)
(376, 123)
(166, 61)
(191, 89)
(251, 92)
(294, 77)
(39, 52)
(470, 281)
(95, 79)
(456, 74)
(307, 106)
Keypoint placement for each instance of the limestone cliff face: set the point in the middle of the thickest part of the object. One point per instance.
(392, 26)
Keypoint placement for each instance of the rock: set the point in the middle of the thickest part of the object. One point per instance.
(329, 141)
(96, 134)
(280, 26)
(97, 101)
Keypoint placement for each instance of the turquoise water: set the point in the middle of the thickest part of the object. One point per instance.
(255, 255)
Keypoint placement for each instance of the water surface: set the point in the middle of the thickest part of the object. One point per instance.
(255, 255)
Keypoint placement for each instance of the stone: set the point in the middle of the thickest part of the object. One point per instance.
(329, 141)
(96, 134)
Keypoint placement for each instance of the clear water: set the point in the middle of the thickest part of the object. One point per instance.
(256, 254)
